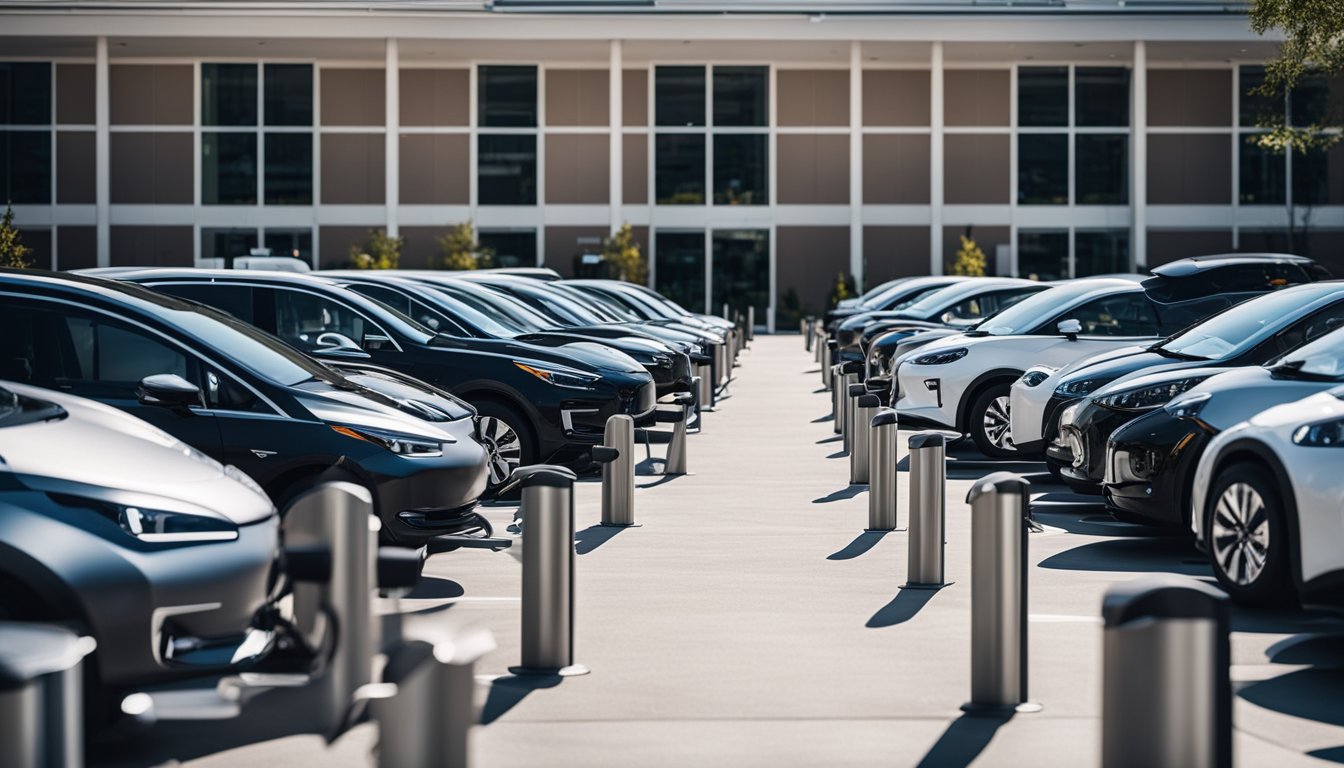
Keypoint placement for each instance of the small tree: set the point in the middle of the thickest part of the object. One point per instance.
(621, 250)
(380, 251)
(13, 253)
(459, 249)
(844, 288)
(970, 260)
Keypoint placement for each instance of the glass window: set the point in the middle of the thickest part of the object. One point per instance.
(679, 169)
(235, 300)
(227, 244)
(1244, 326)
(1101, 168)
(229, 94)
(679, 96)
(1101, 96)
(1262, 179)
(289, 94)
(297, 243)
(507, 96)
(1309, 100)
(512, 248)
(300, 318)
(25, 93)
(740, 95)
(228, 168)
(1252, 105)
(1311, 177)
(507, 169)
(1043, 255)
(1100, 253)
(25, 167)
(289, 168)
(1043, 169)
(741, 270)
(680, 267)
(740, 169)
(1129, 314)
(1043, 96)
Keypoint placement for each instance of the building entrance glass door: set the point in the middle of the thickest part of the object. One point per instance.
(740, 272)
(679, 268)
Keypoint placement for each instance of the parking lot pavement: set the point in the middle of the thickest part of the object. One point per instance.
(750, 622)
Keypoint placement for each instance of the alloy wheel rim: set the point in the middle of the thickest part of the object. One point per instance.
(996, 424)
(504, 447)
(1241, 534)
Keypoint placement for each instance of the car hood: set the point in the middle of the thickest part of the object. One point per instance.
(1105, 371)
(355, 408)
(859, 321)
(1238, 394)
(629, 345)
(585, 356)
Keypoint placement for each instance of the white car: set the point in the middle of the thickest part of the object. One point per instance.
(963, 382)
(1268, 503)
(1031, 393)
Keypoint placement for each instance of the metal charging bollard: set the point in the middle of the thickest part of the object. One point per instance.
(882, 470)
(999, 506)
(618, 475)
(853, 392)
(678, 415)
(337, 518)
(928, 511)
(827, 363)
(705, 389)
(547, 508)
(41, 695)
(751, 323)
(427, 721)
(843, 382)
(1167, 697)
(837, 408)
(864, 408)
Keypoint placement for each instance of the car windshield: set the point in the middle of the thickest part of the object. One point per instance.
(507, 310)
(1240, 328)
(655, 307)
(1026, 315)
(576, 312)
(1322, 358)
(16, 410)
(260, 352)
(494, 326)
(600, 307)
(939, 299)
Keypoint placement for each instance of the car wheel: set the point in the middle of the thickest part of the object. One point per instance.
(989, 425)
(1247, 537)
(508, 441)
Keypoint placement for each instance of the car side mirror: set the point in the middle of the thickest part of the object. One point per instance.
(1070, 329)
(375, 341)
(168, 390)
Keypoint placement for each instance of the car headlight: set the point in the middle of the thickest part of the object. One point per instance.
(941, 358)
(1324, 434)
(1148, 398)
(1187, 407)
(401, 444)
(560, 377)
(1080, 387)
(161, 526)
(1034, 378)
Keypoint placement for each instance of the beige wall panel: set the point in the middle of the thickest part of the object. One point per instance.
(1200, 97)
(976, 169)
(813, 169)
(353, 96)
(577, 168)
(988, 238)
(1169, 245)
(151, 168)
(334, 244)
(896, 169)
(635, 97)
(150, 94)
(807, 259)
(564, 243)
(75, 167)
(152, 246)
(352, 168)
(976, 97)
(433, 97)
(76, 247)
(578, 97)
(895, 97)
(892, 252)
(435, 168)
(810, 97)
(1189, 169)
(74, 94)
(635, 168)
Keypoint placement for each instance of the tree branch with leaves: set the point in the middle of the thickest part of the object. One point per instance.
(13, 253)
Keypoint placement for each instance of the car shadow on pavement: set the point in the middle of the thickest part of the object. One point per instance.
(861, 543)
(594, 536)
(848, 492)
(434, 588)
(1133, 555)
(902, 608)
(838, 454)
(1314, 693)
(963, 741)
(830, 439)
(828, 417)
(508, 691)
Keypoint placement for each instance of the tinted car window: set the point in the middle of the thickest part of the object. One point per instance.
(233, 299)
(1314, 327)
(1235, 278)
(1125, 315)
(300, 318)
(1240, 328)
(417, 310)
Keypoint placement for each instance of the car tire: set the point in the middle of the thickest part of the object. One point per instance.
(1245, 523)
(988, 423)
(508, 438)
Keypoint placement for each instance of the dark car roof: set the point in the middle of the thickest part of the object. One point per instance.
(1196, 264)
(113, 290)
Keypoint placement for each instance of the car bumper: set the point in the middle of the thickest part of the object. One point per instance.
(1148, 469)
(583, 421)
(1028, 415)
(1079, 448)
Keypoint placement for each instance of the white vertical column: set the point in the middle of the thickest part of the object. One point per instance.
(392, 121)
(102, 148)
(615, 105)
(1138, 132)
(856, 163)
(936, 160)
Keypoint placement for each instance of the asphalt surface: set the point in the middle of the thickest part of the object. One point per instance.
(749, 621)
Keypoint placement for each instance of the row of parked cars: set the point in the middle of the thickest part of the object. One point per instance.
(153, 421)
(1202, 398)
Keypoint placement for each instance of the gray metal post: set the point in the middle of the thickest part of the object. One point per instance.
(618, 475)
(882, 471)
(705, 389)
(843, 382)
(999, 504)
(853, 391)
(827, 363)
(837, 409)
(676, 447)
(805, 328)
(864, 407)
(548, 571)
(41, 695)
(427, 722)
(725, 311)
(338, 517)
(751, 323)
(1167, 697)
(715, 372)
(928, 511)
